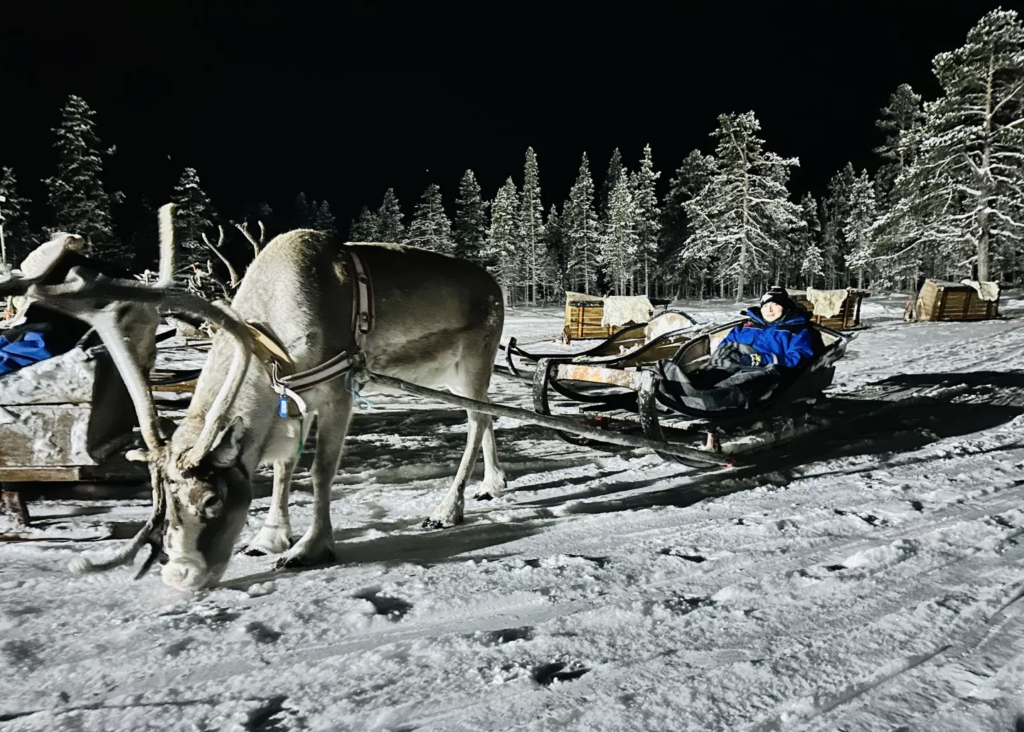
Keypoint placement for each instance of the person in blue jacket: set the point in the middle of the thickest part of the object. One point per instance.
(775, 334)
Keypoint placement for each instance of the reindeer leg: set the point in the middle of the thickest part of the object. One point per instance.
(494, 483)
(275, 536)
(317, 544)
(450, 512)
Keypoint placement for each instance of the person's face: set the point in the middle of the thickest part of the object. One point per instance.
(771, 312)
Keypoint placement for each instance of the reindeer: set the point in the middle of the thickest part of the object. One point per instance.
(437, 323)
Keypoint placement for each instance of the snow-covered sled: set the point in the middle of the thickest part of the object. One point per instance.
(628, 395)
(664, 332)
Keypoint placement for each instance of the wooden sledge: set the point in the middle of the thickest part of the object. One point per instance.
(953, 301)
(626, 395)
(585, 316)
(848, 317)
(670, 329)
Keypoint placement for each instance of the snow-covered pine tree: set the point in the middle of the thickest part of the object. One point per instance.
(690, 179)
(863, 213)
(365, 227)
(619, 243)
(17, 238)
(324, 219)
(836, 209)
(430, 227)
(193, 216)
(648, 219)
(615, 171)
(811, 261)
(965, 193)
(557, 276)
(531, 227)
(469, 230)
(901, 121)
(79, 201)
(582, 232)
(502, 251)
(302, 217)
(389, 219)
(742, 215)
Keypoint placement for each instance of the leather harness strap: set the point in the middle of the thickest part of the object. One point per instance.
(281, 368)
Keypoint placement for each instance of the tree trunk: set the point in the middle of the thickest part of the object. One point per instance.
(983, 189)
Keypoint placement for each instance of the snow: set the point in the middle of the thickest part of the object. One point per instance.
(870, 582)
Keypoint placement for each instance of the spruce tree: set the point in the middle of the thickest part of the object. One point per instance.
(503, 254)
(79, 201)
(615, 171)
(901, 121)
(964, 196)
(365, 227)
(582, 232)
(389, 219)
(471, 222)
(302, 217)
(863, 212)
(690, 179)
(810, 259)
(557, 278)
(324, 219)
(193, 216)
(648, 218)
(430, 227)
(836, 209)
(531, 226)
(17, 238)
(619, 243)
(741, 217)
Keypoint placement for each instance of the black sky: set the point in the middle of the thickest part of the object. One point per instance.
(343, 101)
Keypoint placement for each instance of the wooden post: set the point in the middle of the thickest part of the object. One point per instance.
(942, 303)
(13, 504)
(581, 315)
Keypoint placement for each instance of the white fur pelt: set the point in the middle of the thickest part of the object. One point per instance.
(665, 324)
(988, 291)
(827, 303)
(46, 255)
(621, 310)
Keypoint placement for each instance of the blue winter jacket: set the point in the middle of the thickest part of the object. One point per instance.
(786, 342)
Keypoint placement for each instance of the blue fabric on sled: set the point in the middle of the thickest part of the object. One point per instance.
(30, 348)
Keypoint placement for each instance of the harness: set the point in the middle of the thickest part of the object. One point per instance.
(288, 383)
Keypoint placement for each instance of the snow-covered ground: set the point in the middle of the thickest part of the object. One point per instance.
(866, 582)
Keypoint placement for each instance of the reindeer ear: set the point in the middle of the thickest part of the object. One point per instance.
(227, 445)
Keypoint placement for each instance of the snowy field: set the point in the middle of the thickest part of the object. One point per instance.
(865, 581)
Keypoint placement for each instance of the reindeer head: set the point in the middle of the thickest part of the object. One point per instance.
(200, 477)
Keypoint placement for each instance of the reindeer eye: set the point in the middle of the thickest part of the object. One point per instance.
(211, 506)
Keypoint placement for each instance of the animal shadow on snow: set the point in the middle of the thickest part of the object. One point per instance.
(992, 398)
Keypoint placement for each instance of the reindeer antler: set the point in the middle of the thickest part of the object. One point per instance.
(232, 272)
(255, 244)
(98, 300)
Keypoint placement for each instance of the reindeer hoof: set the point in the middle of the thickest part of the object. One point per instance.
(483, 496)
(262, 546)
(299, 556)
(434, 524)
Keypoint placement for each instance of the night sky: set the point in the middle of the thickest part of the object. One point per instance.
(267, 100)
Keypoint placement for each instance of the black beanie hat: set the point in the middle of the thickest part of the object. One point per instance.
(777, 295)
